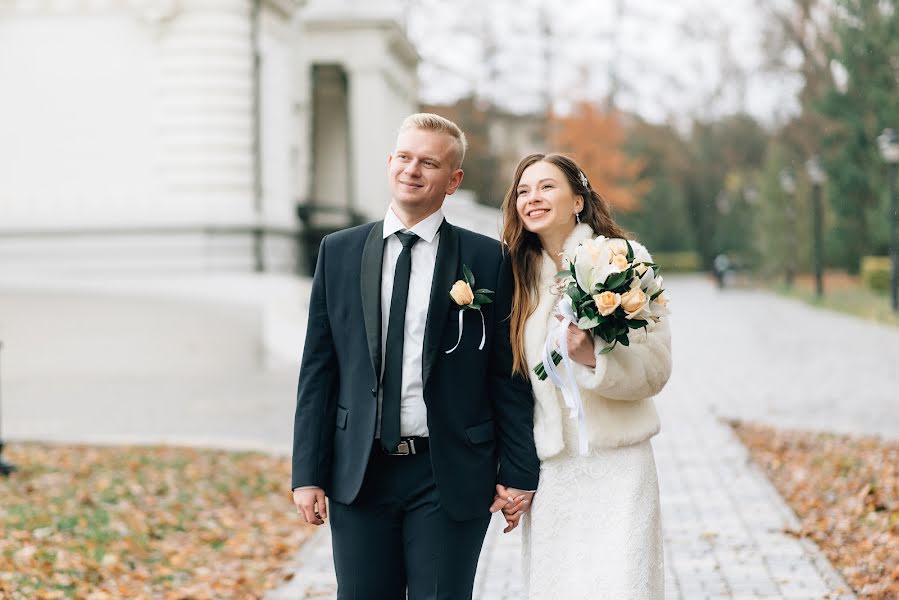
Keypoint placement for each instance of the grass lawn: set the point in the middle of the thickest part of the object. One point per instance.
(843, 293)
(845, 491)
(144, 522)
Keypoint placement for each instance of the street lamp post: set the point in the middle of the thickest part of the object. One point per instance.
(817, 176)
(888, 143)
(788, 185)
(5, 467)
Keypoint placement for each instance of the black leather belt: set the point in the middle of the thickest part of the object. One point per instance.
(408, 446)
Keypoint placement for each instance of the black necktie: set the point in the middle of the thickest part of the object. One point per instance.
(393, 354)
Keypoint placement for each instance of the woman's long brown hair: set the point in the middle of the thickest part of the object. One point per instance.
(525, 249)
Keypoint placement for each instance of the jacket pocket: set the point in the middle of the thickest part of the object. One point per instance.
(341, 417)
(481, 433)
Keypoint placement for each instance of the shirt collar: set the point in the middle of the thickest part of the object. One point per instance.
(426, 229)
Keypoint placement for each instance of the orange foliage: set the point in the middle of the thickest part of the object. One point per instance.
(845, 491)
(595, 139)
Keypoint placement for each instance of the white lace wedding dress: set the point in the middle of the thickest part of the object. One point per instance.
(594, 530)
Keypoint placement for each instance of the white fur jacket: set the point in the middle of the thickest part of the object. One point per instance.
(617, 393)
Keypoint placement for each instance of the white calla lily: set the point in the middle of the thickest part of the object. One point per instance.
(591, 263)
(648, 281)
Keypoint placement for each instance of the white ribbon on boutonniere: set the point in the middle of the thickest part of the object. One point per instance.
(468, 298)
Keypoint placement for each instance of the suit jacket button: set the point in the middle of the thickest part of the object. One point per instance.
(374, 391)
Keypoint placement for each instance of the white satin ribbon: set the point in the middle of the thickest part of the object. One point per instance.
(558, 336)
(483, 331)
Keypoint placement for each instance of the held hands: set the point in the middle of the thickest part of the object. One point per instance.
(513, 503)
(580, 345)
(310, 503)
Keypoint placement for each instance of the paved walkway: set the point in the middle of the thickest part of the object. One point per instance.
(145, 362)
(83, 366)
(725, 528)
(756, 356)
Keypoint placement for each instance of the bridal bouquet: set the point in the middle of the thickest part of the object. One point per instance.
(607, 291)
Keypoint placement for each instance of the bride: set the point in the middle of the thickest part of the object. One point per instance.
(594, 528)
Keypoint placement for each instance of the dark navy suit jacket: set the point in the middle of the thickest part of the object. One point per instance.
(480, 417)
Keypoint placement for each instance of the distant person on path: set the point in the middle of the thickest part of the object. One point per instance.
(594, 529)
(408, 416)
(722, 268)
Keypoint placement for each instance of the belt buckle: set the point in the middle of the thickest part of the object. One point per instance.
(404, 448)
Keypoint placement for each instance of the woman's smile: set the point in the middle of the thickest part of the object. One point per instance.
(536, 213)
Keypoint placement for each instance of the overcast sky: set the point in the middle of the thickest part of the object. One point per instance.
(668, 57)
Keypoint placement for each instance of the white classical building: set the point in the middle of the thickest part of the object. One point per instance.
(194, 135)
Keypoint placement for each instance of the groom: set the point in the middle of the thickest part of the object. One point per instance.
(409, 442)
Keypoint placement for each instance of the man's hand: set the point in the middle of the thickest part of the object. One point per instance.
(513, 503)
(310, 503)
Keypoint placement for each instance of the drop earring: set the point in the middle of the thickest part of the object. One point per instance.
(577, 217)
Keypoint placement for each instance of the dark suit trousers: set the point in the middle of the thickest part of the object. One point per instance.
(395, 535)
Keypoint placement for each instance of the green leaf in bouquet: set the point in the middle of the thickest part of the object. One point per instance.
(468, 275)
(606, 334)
(656, 295)
(615, 280)
(608, 349)
(575, 293)
(630, 251)
(636, 323)
(623, 340)
(563, 274)
(587, 323)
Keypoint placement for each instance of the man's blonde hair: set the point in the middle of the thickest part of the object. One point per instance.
(432, 122)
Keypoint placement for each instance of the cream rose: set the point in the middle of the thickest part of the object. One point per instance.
(641, 269)
(618, 246)
(633, 300)
(661, 300)
(461, 293)
(619, 261)
(607, 302)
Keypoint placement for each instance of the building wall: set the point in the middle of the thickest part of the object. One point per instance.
(80, 125)
(130, 138)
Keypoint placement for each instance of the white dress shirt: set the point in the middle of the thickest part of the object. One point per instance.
(413, 413)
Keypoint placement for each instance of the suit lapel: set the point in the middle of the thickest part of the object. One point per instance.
(445, 274)
(370, 279)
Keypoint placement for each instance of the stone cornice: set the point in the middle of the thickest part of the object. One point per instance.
(397, 42)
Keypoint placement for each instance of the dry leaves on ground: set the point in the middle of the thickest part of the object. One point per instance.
(142, 522)
(845, 491)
